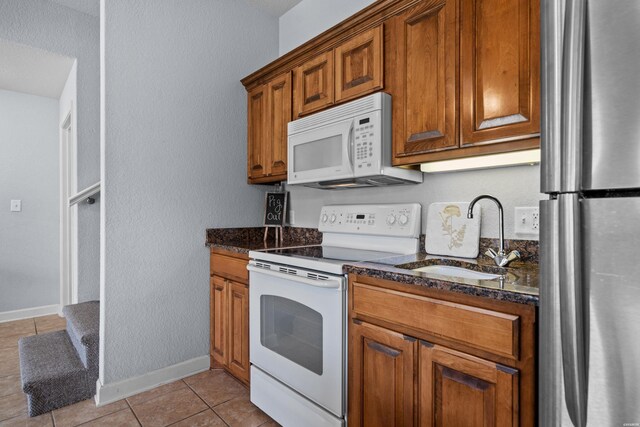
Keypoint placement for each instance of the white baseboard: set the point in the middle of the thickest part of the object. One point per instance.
(26, 313)
(109, 393)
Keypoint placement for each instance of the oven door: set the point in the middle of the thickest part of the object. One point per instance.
(297, 333)
(321, 154)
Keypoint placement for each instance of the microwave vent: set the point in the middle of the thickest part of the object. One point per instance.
(384, 180)
(338, 113)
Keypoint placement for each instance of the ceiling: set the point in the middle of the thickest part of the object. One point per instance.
(272, 7)
(34, 71)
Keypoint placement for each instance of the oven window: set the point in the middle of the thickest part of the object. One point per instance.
(292, 330)
(318, 154)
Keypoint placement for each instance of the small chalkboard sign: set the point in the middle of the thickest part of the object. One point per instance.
(275, 209)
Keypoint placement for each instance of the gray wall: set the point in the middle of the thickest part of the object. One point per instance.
(29, 170)
(174, 154)
(47, 25)
(515, 186)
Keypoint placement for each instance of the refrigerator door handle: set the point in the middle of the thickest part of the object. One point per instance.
(551, 39)
(572, 94)
(573, 310)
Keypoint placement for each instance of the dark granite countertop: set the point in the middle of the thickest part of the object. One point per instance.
(243, 240)
(519, 282)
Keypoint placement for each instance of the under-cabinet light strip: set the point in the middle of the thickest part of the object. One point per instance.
(527, 157)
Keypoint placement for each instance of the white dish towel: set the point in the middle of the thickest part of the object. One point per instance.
(450, 232)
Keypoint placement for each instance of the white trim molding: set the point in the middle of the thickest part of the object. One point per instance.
(26, 313)
(109, 393)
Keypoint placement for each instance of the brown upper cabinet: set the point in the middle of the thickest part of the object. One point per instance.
(464, 76)
(422, 80)
(354, 68)
(269, 112)
(359, 65)
(256, 133)
(314, 84)
(499, 71)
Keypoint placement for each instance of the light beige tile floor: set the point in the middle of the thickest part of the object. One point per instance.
(211, 398)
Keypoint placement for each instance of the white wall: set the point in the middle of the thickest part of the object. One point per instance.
(29, 240)
(515, 186)
(50, 26)
(309, 18)
(174, 164)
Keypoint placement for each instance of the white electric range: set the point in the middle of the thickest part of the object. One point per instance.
(297, 309)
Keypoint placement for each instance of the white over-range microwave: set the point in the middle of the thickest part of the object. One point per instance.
(346, 146)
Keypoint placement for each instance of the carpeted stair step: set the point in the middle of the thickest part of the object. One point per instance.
(83, 327)
(52, 374)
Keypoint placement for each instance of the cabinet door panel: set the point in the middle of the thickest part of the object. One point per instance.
(499, 70)
(381, 383)
(314, 84)
(279, 115)
(424, 43)
(457, 389)
(220, 317)
(239, 330)
(359, 65)
(257, 116)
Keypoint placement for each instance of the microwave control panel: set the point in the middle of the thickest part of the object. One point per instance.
(401, 220)
(366, 144)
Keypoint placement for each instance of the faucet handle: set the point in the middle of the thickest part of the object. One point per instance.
(513, 255)
(491, 253)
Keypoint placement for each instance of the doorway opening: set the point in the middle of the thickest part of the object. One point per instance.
(68, 213)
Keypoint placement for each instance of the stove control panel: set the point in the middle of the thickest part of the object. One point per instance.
(399, 220)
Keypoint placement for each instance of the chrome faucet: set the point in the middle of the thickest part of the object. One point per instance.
(502, 259)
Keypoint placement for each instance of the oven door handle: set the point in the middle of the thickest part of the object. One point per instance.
(330, 283)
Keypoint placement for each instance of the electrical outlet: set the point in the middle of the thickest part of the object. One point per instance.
(16, 205)
(527, 220)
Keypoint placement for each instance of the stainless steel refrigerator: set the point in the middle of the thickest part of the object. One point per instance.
(589, 347)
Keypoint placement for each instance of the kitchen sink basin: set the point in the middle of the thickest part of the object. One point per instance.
(465, 273)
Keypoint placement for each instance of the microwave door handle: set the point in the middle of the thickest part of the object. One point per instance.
(350, 147)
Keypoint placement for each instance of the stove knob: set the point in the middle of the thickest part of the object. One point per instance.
(403, 219)
(324, 218)
(391, 219)
(332, 219)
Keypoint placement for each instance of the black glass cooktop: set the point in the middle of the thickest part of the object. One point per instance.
(331, 253)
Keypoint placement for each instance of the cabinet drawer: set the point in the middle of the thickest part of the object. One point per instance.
(229, 267)
(483, 329)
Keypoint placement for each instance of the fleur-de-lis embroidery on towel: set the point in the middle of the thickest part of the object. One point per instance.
(456, 235)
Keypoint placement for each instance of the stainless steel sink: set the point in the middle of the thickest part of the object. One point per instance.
(464, 273)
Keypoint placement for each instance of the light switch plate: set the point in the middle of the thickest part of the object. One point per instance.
(16, 205)
(527, 220)
(292, 217)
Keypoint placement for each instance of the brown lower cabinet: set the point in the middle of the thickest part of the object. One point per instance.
(229, 305)
(382, 367)
(414, 358)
